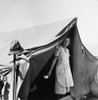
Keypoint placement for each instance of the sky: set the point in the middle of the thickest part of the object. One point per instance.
(21, 14)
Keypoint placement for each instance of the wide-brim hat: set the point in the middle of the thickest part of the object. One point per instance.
(16, 48)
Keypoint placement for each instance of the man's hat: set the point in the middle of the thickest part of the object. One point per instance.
(16, 48)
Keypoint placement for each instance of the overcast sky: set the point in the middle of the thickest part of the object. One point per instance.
(19, 14)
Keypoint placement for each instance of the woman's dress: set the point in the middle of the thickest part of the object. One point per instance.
(63, 72)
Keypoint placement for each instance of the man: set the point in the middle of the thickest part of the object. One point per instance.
(21, 62)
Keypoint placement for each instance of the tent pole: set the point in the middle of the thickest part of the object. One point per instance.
(14, 77)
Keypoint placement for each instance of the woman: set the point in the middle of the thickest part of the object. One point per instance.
(63, 80)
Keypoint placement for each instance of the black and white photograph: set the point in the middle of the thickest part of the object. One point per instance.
(48, 50)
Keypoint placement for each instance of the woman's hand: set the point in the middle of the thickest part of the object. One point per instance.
(46, 76)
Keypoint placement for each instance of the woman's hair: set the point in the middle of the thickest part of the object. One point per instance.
(67, 39)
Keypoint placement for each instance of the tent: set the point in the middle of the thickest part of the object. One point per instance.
(83, 66)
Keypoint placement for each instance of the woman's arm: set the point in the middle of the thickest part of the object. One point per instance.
(53, 62)
(52, 66)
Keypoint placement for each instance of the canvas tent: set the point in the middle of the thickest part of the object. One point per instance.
(83, 66)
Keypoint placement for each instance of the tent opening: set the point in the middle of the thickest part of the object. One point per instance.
(45, 87)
